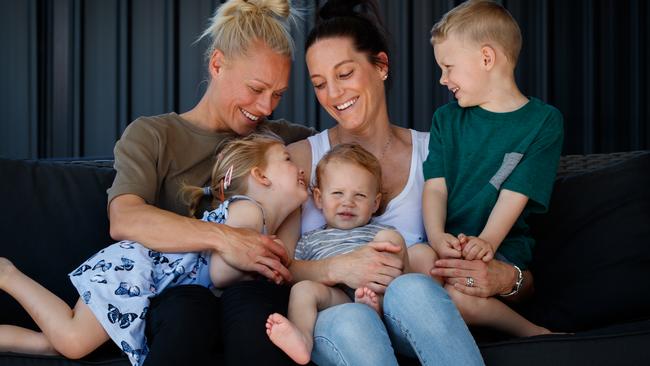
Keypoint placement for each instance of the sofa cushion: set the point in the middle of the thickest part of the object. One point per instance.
(592, 259)
(54, 217)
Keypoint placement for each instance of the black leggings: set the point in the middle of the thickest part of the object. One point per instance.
(245, 308)
(187, 325)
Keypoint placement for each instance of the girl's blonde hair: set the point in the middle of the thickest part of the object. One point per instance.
(481, 21)
(236, 24)
(242, 154)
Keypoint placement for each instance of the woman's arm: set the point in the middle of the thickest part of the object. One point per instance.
(131, 218)
(374, 266)
(490, 279)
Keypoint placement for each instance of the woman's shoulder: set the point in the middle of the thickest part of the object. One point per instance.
(156, 121)
(290, 132)
(417, 140)
(153, 125)
(300, 153)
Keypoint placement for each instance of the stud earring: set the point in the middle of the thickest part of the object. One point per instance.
(385, 77)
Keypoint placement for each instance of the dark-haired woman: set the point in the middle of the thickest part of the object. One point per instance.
(348, 60)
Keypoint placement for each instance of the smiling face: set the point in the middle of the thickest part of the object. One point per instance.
(247, 88)
(348, 86)
(463, 71)
(348, 195)
(285, 176)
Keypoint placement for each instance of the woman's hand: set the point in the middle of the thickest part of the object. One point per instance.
(488, 278)
(251, 251)
(374, 266)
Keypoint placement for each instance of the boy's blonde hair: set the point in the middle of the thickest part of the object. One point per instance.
(481, 21)
(236, 24)
(350, 153)
(242, 154)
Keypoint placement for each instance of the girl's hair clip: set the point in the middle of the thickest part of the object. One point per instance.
(207, 191)
(227, 179)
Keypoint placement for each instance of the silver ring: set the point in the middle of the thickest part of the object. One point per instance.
(469, 282)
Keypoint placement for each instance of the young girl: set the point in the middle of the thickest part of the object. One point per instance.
(256, 185)
(348, 191)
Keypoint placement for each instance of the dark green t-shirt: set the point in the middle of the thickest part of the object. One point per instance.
(480, 152)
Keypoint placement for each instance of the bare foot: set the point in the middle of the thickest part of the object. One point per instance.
(6, 268)
(284, 334)
(364, 295)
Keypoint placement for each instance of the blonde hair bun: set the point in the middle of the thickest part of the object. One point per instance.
(236, 24)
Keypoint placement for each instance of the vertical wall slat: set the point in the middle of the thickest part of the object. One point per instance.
(76, 80)
(123, 61)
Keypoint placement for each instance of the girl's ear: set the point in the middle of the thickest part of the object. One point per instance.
(488, 57)
(258, 176)
(217, 62)
(318, 198)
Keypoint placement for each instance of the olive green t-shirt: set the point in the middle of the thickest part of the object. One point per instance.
(480, 152)
(157, 155)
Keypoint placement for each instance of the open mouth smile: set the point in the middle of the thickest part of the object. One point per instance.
(347, 104)
(249, 115)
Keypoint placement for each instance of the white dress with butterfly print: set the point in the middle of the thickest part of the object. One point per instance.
(118, 282)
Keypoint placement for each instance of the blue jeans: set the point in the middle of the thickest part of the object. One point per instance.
(420, 320)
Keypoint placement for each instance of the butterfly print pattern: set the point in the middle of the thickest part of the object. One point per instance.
(118, 282)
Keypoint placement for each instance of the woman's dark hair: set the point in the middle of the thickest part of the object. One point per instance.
(358, 20)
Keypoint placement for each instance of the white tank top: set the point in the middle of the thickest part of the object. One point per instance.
(404, 212)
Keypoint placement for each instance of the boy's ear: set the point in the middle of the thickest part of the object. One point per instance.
(488, 57)
(377, 202)
(318, 198)
(217, 62)
(259, 176)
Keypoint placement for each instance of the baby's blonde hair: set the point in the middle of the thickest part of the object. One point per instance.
(236, 24)
(350, 153)
(242, 154)
(481, 21)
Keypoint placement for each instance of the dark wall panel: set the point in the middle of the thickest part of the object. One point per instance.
(101, 70)
(76, 72)
(17, 79)
(150, 80)
(192, 19)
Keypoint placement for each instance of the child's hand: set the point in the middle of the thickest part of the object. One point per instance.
(446, 246)
(476, 248)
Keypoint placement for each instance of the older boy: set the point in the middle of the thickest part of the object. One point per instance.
(492, 158)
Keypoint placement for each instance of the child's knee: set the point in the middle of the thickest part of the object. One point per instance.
(71, 345)
(306, 288)
(421, 259)
(470, 307)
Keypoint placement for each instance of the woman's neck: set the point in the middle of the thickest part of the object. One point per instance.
(204, 116)
(377, 139)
